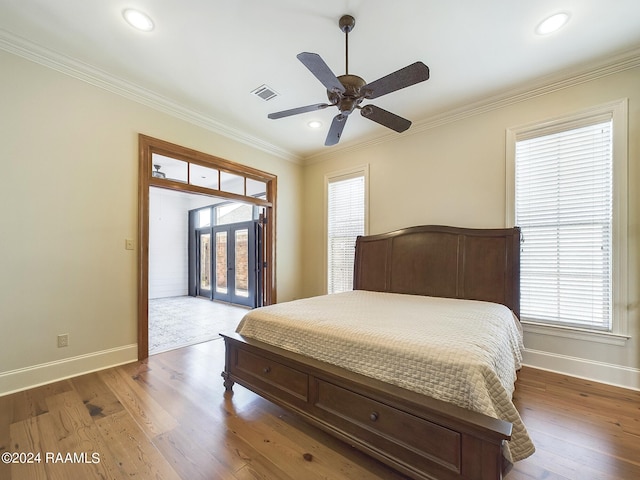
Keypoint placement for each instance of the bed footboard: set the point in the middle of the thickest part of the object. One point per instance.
(419, 436)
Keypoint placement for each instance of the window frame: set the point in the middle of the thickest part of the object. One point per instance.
(336, 176)
(618, 110)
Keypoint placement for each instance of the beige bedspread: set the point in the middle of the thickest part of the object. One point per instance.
(461, 351)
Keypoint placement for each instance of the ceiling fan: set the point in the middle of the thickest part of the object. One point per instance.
(347, 91)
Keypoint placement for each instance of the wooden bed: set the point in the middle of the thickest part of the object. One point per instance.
(419, 436)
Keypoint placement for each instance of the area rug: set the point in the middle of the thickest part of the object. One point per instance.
(176, 322)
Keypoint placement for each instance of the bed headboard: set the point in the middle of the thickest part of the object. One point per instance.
(439, 261)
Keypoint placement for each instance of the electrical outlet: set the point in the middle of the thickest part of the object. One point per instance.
(63, 340)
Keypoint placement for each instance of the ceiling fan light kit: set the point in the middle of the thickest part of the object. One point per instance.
(348, 91)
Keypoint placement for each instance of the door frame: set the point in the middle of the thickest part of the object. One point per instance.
(147, 146)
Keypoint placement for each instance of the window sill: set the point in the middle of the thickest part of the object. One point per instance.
(575, 333)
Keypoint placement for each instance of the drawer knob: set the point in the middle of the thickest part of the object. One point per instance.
(373, 416)
(266, 369)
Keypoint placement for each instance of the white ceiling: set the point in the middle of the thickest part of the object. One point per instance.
(204, 57)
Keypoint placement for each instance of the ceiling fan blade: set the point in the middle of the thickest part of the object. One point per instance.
(405, 77)
(321, 71)
(385, 118)
(335, 131)
(296, 111)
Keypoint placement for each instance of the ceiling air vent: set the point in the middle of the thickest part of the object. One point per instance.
(264, 92)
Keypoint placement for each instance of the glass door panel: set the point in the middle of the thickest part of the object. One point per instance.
(241, 267)
(243, 263)
(203, 269)
(222, 265)
(205, 261)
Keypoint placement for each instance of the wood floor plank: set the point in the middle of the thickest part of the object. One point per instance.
(6, 419)
(25, 439)
(281, 452)
(547, 378)
(179, 392)
(146, 411)
(631, 425)
(204, 439)
(566, 413)
(587, 435)
(325, 450)
(136, 456)
(97, 397)
(532, 471)
(304, 453)
(576, 461)
(73, 444)
(193, 459)
(33, 402)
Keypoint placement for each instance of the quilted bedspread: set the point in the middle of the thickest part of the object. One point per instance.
(460, 351)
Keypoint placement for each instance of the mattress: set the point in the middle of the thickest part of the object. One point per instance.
(460, 351)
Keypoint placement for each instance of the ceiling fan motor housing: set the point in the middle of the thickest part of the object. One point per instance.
(352, 96)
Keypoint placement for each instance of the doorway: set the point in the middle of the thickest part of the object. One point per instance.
(171, 167)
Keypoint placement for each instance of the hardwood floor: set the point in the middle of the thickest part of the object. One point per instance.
(168, 418)
(581, 429)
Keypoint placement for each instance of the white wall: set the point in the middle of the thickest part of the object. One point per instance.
(69, 163)
(168, 244)
(454, 174)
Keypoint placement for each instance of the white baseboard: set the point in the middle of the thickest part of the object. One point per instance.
(36, 375)
(601, 372)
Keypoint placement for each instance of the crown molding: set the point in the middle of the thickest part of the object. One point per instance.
(99, 78)
(19, 46)
(613, 64)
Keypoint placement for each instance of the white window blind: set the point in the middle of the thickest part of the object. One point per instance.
(345, 221)
(563, 204)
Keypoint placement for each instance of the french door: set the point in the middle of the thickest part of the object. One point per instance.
(228, 263)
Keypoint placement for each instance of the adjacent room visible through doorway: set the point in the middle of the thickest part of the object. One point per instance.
(188, 277)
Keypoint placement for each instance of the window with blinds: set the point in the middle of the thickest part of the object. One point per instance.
(564, 206)
(345, 221)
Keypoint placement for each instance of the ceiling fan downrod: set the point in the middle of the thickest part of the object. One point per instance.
(346, 24)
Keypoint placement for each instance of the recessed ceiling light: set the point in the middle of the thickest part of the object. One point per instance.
(314, 124)
(552, 24)
(138, 20)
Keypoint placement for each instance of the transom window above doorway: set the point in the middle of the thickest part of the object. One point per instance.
(175, 170)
